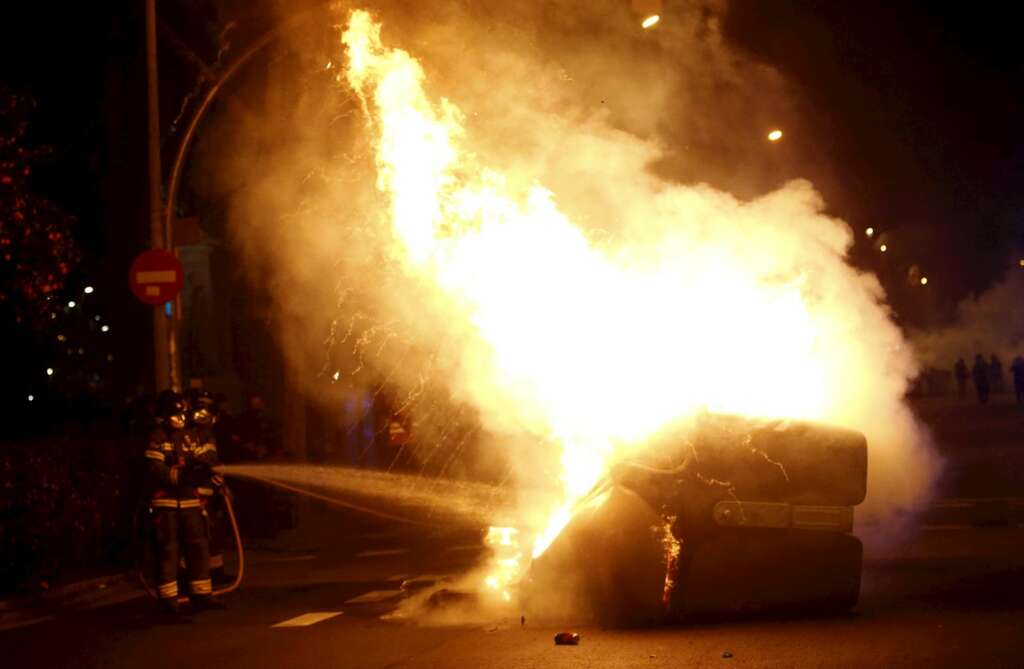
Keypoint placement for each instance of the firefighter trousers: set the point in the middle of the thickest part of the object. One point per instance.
(178, 529)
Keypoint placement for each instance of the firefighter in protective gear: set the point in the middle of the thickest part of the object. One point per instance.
(202, 417)
(179, 464)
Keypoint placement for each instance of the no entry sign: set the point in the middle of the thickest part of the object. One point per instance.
(156, 276)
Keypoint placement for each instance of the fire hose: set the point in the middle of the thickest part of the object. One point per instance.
(225, 496)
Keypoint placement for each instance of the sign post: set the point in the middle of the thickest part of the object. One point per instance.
(156, 278)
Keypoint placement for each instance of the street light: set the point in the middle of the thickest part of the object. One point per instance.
(88, 290)
(883, 248)
(105, 328)
(72, 304)
(870, 232)
(924, 281)
(49, 371)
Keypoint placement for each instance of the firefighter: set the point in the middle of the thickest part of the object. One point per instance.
(178, 465)
(203, 415)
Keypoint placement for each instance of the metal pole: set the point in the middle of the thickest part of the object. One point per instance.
(162, 332)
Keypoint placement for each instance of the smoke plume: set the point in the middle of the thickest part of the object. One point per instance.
(572, 241)
(988, 323)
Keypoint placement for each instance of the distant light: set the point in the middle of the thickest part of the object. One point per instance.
(650, 21)
(775, 135)
(110, 357)
(1022, 262)
(883, 248)
(337, 375)
(105, 328)
(88, 290)
(31, 398)
(72, 304)
(869, 232)
(96, 318)
(924, 281)
(81, 351)
(61, 337)
(49, 371)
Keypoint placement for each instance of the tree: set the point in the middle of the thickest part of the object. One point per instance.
(37, 250)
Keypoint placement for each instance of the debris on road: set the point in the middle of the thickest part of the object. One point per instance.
(567, 639)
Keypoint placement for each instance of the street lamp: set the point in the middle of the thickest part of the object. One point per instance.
(883, 248)
(924, 281)
(870, 232)
(88, 290)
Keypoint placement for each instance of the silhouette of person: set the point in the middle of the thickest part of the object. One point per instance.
(996, 371)
(980, 372)
(961, 374)
(1017, 368)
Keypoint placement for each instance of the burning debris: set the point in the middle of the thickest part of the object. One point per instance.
(766, 541)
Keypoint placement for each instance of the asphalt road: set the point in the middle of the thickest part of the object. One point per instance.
(945, 595)
(943, 598)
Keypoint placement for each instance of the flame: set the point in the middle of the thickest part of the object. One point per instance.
(506, 560)
(593, 347)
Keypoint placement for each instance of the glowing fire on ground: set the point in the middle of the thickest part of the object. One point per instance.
(594, 347)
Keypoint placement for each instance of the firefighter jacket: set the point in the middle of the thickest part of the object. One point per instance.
(208, 440)
(171, 455)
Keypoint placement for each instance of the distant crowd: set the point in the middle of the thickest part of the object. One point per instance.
(988, 377)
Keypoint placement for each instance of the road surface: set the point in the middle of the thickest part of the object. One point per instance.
(945, 597)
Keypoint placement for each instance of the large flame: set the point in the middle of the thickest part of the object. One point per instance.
(597, 346)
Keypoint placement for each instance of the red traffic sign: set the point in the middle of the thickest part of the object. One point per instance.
(156, 276)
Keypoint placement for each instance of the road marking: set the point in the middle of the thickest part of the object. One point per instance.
(376, 596)
(307, 619)
(14, 624)
(382, 552)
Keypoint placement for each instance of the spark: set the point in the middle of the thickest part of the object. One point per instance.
(775, 135)
(650, 21)
(672, 547)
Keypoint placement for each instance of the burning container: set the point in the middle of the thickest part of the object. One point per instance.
(737, 517)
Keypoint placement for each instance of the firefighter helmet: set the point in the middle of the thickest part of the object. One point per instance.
(203, 407)
(172, 410)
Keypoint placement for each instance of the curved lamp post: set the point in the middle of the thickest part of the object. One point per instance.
(177, 167)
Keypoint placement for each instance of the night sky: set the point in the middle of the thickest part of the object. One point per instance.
(909, 122)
